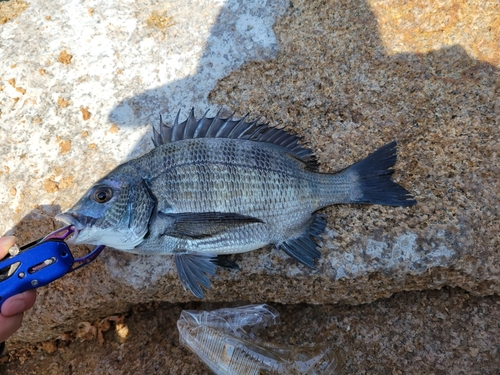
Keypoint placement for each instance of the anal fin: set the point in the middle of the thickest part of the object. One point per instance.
(303, 248)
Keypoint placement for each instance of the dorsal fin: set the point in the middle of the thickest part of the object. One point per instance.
(219, 127)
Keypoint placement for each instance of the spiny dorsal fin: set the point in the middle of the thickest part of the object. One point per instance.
(219, 127)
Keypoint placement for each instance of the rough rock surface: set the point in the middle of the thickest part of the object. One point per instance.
(347, 76)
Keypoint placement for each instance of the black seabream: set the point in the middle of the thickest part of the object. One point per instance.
(221, 186)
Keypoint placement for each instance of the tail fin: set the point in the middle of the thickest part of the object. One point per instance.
(374, 177)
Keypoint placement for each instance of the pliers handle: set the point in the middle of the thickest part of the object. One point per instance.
(39, 263)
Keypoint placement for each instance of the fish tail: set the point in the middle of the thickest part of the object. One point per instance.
(368, 182)
(374, 179)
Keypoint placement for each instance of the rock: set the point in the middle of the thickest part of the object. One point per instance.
(445, 331)
(336, 79)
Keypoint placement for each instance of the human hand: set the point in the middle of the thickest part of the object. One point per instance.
(11, 314)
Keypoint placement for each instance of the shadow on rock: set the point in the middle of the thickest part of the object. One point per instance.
(333, 77)
(334, 81)
(241, 33)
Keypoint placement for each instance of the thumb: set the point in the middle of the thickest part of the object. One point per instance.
(5, 244)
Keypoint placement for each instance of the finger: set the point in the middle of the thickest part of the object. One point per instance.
(5, 244)
(19, 303)
(9, 325)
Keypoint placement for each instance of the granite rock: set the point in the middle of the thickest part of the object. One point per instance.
(79, 97)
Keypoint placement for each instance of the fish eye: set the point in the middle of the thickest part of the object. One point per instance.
(103, 194)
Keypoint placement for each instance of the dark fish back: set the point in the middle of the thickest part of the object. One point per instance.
(229, 175)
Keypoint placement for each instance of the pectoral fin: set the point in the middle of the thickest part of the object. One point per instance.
(197, 225)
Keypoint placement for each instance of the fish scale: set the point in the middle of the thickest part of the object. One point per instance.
(207, 185)
(222, 186)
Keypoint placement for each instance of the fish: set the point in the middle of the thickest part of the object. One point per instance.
(215, 186)
(227, 341)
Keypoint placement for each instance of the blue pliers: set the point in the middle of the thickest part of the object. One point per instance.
(41, 262)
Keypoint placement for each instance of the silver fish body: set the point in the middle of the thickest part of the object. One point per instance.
(252, 179)
(222, 186)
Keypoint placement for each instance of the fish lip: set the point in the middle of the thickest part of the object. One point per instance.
(72, 219)
(77, 221)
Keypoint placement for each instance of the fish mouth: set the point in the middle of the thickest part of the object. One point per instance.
(79, 222)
